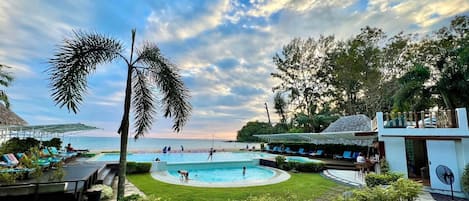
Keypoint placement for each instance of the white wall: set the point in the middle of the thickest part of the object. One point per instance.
(396, 154)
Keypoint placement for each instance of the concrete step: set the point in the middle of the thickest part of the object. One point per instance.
(109, 179)
(102, 174)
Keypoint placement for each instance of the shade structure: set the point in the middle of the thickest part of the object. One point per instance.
(41, 131)
(347, 138)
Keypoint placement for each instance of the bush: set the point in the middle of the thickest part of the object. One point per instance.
(54, 142)
(269, 197)
(400, 190)
(280, 161)
(465, 179)
(407, 189)
(381, 179)
(16, 145)
(309, 167)
(8, 178)
(135, 168)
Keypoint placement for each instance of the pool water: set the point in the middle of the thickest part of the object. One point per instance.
(228, 174)
(173, 158)
(300, 159)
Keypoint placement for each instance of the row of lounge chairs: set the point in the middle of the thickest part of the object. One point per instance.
(49, 156)
(301, 151)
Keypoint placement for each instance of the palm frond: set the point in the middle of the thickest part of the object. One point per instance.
(163, 73)
(4, 99)
(74, 60)
(142, 101)
(5, 77)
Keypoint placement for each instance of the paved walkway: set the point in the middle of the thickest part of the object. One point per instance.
(129, 189)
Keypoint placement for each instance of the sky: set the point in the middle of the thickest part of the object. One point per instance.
(223, 49)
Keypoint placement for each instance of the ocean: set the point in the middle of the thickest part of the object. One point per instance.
(152, 144)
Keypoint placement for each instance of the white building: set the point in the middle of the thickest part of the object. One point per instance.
(417, 152)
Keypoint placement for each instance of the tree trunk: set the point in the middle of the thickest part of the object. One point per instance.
(124, 127)
(124, 131)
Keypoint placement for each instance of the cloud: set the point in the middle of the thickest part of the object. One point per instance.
(186, 19)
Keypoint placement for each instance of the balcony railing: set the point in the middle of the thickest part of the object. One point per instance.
(421, 119)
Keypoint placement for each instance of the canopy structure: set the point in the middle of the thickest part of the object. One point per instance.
(347, 138)
(41, 131)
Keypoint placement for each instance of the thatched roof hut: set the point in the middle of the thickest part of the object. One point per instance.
(350, 123)
(7, 117)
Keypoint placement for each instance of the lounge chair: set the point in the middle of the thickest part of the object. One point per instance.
(345, 155)
(318, 152)
(276, 149)
(44, 163)
(65, 155)
(288, 150)
(301, 151)
(10, 160)
(50, 157)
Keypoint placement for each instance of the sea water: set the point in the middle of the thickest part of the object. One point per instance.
(152, 144)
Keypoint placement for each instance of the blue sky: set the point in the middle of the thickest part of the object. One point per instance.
(223, 48)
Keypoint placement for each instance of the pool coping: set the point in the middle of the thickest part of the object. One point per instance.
(279, 176)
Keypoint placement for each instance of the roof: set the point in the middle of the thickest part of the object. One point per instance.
(358, 122)
(52, 128)
(348, 130)
(346, 138)
(8, 117)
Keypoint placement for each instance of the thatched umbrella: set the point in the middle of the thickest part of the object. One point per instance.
(8, 118)
(350, 123)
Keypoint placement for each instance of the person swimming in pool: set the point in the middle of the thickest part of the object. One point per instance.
(184, 174)
(244, 170)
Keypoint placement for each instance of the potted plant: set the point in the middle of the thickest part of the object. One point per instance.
(465, 181)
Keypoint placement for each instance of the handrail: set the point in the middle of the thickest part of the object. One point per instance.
(421, 119)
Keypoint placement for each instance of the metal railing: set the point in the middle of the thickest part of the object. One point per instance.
(421, 119)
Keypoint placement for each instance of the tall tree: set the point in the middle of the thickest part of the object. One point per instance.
(5, 79)
(302, 73)
(356, 68)
(447, 55)
(280, 106)
(79, 56)
(412, 94)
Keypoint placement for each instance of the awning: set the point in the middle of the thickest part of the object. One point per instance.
(41, 131)
(347, 138)
(52, 128)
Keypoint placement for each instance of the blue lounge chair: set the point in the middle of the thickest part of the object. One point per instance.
(345, 155)
(318, 152)
(288, 150)
(44, 163)
(50, 157)
(301, 151)
(65, 155)
(276, 149)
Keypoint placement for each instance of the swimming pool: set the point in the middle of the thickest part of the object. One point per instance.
(185, 157)
(221, 174)
(301, 159)
(227, 174)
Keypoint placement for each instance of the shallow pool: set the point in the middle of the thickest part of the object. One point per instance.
(228, 174)
(186, 157)
(302, 159)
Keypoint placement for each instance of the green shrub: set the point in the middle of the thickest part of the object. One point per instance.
(280, 161)
(309, 167)
(135, 168)
(16, 145)
(54, 142)
(133, 197)
(407, 189)
(465, 179)
(269, 197)
(400, 190)
(9, 178)
(384, 166)
(381, 179)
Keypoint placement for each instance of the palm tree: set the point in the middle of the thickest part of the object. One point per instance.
(78, 57)
(5, 80)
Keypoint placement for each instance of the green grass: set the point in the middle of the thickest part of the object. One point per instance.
(302, 186)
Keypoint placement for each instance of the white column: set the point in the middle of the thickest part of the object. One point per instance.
(462, 118)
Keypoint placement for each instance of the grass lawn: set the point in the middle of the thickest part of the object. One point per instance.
(301, 186)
